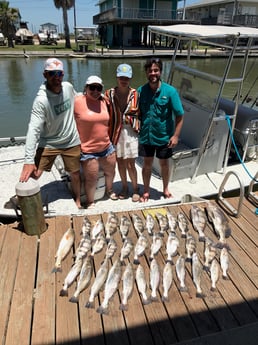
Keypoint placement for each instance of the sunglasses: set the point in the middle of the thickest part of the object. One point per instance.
(93, 87)
(55, 73)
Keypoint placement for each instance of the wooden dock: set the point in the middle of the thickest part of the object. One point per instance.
(33, 313)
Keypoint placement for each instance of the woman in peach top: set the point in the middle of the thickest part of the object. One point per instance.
(92, 119)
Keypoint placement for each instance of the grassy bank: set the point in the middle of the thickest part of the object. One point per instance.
(44, 47)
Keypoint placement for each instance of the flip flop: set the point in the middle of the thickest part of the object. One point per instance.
(123, 194)
(135, 197)
(112, 195)
(144, 197)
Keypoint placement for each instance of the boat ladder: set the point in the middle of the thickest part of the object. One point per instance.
(224, 202)
(251, 196)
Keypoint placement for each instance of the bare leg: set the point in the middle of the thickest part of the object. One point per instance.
(121, 163)
(108, 165)
(76, 187)
(146, 176)
(90, 171)
(164, 165)
(130, 162)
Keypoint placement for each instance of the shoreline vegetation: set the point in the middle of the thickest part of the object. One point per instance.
(82, 50)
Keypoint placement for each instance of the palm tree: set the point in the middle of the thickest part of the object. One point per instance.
(65, 5)
(8, 17)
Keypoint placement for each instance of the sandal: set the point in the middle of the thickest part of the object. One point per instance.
(145, 197)
(112, 195)
(123, 194)
(135, 197)
(91, 206)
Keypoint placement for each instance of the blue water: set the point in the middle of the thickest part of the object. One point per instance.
(20, 79)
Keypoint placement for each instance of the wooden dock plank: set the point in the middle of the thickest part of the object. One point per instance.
(19, 326)
(67, 324)
(43, 328)
(10, 248)
(51, 319)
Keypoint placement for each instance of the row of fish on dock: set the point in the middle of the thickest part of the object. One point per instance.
(172, 236)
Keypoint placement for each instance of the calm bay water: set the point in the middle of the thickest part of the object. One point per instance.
(20, 79)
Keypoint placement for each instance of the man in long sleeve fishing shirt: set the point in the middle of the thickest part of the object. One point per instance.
(52, 130)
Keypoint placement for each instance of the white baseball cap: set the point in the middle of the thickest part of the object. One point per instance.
(53, 64)
(93, 79)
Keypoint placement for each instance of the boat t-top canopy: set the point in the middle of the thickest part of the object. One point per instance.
(200, 32)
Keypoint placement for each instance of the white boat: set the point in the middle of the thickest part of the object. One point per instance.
(214, 130)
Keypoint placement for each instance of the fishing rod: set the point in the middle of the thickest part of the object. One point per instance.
(247, 74)
(250, 89)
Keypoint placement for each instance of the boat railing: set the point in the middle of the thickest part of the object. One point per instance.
(250, 193)
(234, 211)
(11, 141)
(206, 76)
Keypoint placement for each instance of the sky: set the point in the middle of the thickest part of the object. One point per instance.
(37, 12)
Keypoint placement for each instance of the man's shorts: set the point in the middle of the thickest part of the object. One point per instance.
(45, 158)
(162, 152)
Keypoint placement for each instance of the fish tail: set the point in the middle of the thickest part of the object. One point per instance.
(165, 299)
(74, 299)
(122, 262)
(154, 298)
(56, 269)
(123, 307)
(146, 301)
(201, 238)
(63, 293)
(213, 289)
(206, 268)
(170, 261)
(102, 310)
(183, 236)
(183, 288)
(221, 245)
(188, 259)
(136, 261)
(200, 295)
(228, 233)
(225, 277)
(90, 305)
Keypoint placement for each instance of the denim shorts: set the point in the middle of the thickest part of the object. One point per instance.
(97, 155)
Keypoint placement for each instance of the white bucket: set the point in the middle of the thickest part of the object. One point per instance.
(101, 186)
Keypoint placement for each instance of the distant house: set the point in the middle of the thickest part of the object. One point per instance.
(48, 34)
(223, 12)
(124, 22)
(48, 27)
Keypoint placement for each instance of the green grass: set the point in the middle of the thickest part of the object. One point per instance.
(37, 47)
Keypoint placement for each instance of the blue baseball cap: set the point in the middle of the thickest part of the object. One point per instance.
(124, 70)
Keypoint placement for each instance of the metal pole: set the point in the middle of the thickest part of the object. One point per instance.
(74, 22)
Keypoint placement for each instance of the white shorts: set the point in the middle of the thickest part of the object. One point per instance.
(127, 146)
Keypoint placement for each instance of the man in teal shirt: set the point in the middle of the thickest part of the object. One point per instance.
(161, 114)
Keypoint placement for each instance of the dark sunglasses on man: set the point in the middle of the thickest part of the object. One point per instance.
(55, 73)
